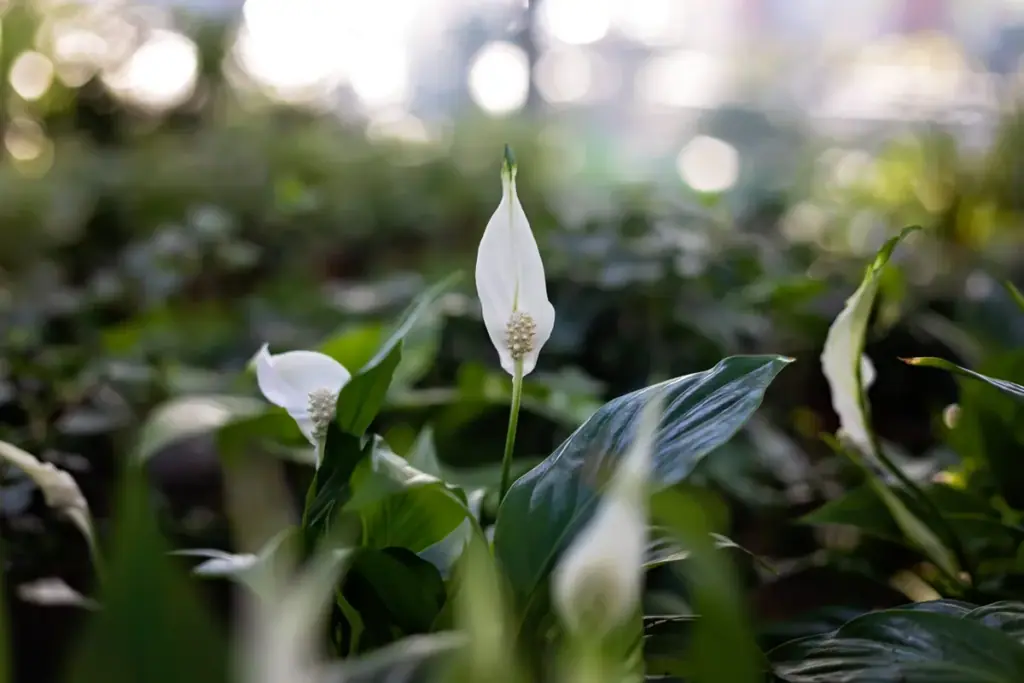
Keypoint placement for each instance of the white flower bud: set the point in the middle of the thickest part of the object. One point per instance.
(510, 281)
(597, 583)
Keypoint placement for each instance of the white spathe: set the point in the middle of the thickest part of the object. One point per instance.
(597, 583)
(510, 280)
(60, 490)
(298, 381)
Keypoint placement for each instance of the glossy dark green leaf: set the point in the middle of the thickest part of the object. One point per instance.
(1003, 385)
(546, 508)
(395, 592)
(362, 398)
(813, 622)
(151, 627)
(939, 642)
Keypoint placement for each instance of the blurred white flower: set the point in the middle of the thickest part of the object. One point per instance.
(510, 281)
(597, 583)
(306, 384)
(60, 490)
(280, 626)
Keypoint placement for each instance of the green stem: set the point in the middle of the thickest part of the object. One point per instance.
(510, 436)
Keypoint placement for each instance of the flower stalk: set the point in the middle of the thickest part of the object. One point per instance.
(510, 435)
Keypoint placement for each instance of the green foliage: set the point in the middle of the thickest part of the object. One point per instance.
(135, 284)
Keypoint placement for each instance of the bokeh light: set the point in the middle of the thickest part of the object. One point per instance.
(683, 78)
(708, 164)
(294, 50)
(565, 75)
(24, 139)
(499, 78)
(652, 22)
(576, 22)
(381, 77)
(160, 75)
(31, 75)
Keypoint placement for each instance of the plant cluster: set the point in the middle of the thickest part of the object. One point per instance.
(398, 568)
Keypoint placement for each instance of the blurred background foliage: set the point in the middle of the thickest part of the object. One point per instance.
(153, 239)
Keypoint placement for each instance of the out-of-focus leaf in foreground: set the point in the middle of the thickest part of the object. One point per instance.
(151, 628)
(722, 646)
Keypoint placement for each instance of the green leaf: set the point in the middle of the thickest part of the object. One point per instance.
(353, 347)
(984, 533)
(938, 642)
(361, 399)
(395, 593)
(395, 504)
(989, 431)
(1015, 293)
(546, 508)
(1003, 385)
(151, 628)
(845, 367)
(401, 506)
(331, 488)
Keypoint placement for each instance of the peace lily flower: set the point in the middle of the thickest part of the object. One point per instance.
(513, 297)
(306, 384)
(597, 583)
(510, 281)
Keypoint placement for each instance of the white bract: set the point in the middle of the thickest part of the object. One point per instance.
(510, 282)
(60, 491)
(597, 584)
(306, 384)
